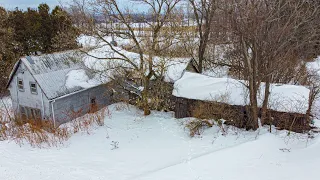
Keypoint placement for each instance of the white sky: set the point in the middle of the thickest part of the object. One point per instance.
(24, 4)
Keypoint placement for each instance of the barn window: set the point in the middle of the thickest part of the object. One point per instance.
(33, 88)
(20, 84)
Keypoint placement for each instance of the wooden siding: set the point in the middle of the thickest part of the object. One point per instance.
(237, 115)
(26, 97)
(79, 104)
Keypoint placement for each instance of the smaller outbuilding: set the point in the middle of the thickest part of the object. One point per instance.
(226, 98)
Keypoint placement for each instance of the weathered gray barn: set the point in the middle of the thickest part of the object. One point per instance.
(55, 87)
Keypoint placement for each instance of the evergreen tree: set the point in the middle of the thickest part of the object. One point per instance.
(7, 48)
(18, 22)
(33, 30)
(65, 33)
(47, 28)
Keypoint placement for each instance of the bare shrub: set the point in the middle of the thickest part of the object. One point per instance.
(121, 106)
(36, 133)
(43, 133)
(3, 129)
(234, 115)
(197, 126)
(86, 122)
(161, 99)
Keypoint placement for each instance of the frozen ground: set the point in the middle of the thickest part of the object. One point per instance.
(158, 147)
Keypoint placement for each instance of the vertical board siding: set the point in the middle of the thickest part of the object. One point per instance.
(78, 104)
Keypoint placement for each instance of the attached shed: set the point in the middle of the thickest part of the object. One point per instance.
(225, 98)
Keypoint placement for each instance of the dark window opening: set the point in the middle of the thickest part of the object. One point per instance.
(93, 100)
(93, 105)
(20, 85)
(33, 88)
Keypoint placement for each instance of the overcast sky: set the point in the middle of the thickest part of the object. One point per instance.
(23, 4)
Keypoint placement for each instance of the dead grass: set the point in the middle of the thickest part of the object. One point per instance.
(166, 28)
(175, 51)
(197, 126)
(86, 122)
(42, 134)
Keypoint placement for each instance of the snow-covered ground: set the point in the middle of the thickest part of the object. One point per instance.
(158, 147)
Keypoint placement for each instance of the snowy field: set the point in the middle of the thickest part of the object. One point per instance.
(158, 147)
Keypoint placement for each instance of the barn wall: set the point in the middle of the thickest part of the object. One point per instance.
(25, 97)
(237, 115)
(78, 104)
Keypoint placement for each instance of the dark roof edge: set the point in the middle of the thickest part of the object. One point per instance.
(13, 72)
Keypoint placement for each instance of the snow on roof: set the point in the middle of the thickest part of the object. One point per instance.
(62, 73)
(174, 67)
(51, 70)
(283, 98)
(80, 78)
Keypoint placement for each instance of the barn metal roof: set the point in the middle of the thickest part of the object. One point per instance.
(50, 71)
(63, 73)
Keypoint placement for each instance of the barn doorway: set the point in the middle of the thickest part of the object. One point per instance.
(28, 113)
(93, 105)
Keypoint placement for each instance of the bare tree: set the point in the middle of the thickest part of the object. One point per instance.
(118, 22)
(203, 11)
(269, 36)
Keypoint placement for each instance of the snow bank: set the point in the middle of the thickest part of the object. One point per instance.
(284, 98)
(315, 65)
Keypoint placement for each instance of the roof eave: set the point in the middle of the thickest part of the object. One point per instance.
(13, 72)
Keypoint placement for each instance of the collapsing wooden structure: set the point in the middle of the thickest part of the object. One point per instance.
(222, 98)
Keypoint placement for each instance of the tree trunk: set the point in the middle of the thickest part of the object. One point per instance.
(145, 97)
(264, 109)
(251, 66)
(253, 116)
(201, 57)
(312, 96)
